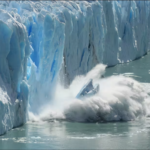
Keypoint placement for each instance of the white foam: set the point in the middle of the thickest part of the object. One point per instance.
(119, 98)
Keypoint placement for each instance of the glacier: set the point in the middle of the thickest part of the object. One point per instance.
(14, 51)
(42, 41)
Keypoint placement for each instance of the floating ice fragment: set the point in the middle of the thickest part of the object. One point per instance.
(88, 90)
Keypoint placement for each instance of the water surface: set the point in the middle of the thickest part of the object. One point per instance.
(68, 135)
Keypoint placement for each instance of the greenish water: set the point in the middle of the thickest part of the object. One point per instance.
(67, 135)
(139, 69)
(71, 135)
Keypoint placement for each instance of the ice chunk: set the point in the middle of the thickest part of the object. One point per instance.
(88, 90)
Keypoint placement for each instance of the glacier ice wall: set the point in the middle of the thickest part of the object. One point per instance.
(109, 33)
(14, 51)
(38, 38)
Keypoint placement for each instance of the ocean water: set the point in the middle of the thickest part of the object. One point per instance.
(59, 134)
(138, 69)
(71, 135)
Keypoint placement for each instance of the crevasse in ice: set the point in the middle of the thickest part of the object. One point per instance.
(39, 38)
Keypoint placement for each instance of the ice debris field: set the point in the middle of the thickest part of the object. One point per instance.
(43, 42)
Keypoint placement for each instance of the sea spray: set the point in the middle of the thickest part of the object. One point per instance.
(120, 98)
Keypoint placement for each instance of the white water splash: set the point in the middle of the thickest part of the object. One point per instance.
(120, 98)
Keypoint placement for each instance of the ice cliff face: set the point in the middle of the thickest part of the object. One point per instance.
(39, 38)
(14, 51)
(109, 33)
